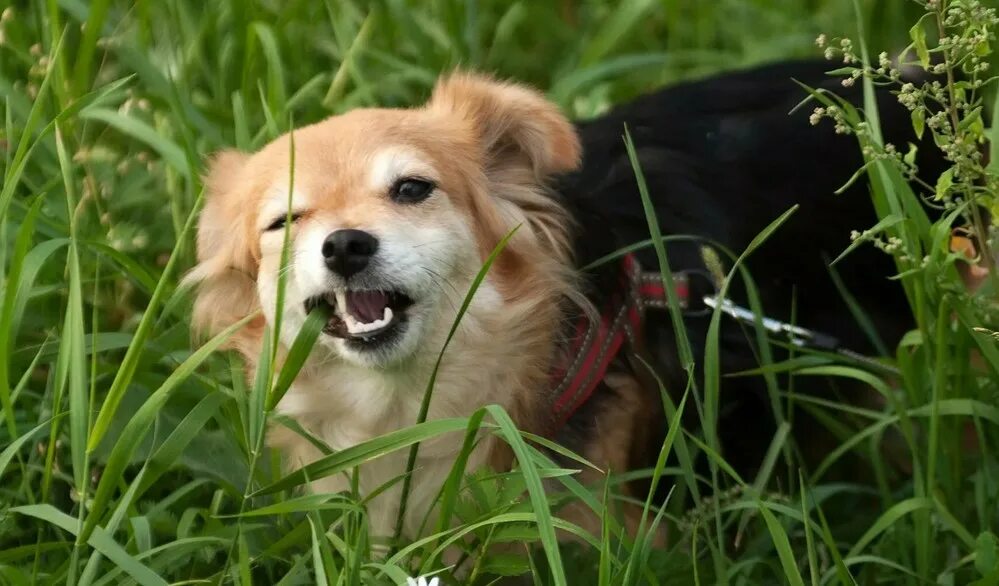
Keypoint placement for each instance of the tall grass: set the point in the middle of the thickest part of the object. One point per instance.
(127, 456)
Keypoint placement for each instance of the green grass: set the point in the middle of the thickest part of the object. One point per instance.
(108, 110)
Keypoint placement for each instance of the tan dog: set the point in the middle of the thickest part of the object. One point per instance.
(394, 212)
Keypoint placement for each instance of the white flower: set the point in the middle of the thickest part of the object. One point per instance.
(421, 581)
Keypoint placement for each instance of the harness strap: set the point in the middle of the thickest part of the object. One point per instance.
(595, 343)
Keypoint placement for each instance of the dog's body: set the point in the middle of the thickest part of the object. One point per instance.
(395, 211)
(723, 158)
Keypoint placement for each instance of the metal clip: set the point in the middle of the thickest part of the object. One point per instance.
(797, 335)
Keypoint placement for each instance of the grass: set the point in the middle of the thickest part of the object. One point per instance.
(108, 110)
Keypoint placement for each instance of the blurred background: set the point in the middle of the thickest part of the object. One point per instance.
(197, 76)
(333, 55)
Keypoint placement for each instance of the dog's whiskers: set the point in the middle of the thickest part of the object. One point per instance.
(447, 265)
(437, 279)
(422, 244)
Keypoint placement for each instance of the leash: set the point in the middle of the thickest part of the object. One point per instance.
(797, 335)
(594, 344)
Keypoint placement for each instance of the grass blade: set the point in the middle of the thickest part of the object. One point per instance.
(8, 452)
(536, 492)
(428, 393)
(362, 452)
(131, 360)
(783, 547)
(8, 321)
(98, 539)
(139, 424)
(171, 153)
(297, 355)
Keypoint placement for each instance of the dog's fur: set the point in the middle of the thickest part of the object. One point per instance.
(722, 159)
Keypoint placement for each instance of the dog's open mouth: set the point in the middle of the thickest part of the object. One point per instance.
(365, 317)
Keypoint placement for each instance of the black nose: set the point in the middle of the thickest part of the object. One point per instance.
(348, 252)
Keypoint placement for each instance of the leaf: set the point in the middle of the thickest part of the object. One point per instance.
(25, 147)
(535, 490)
(452, 486)
(171, 449)
(98, 539)
(910, 155)
(986, 553)
(142, 532)
(143, 132)
(888, 519)
(71, 366)
(8, 453)
(304, 503)
(297, 355)
(505, 564)
(685, 351)
(495, 520)
(275, 71)
(317, 557)
(813, 563)
(33, 263)
(428, 392)
(141, 422)
(129, 364)
(615, 30)
(363, 452)
(8, 320)
(578, 81)
(918, 35)
(97, 13)
(944, 183)
(882, 225)
(134, 269)
(783, 547)
(973, 121)
(993, 136)
(918, 123)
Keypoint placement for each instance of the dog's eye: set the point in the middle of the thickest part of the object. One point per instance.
(280, 221)
(411, 190)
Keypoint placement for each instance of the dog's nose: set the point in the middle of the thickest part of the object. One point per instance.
(348, 252)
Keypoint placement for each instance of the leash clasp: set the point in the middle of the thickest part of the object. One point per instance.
(797, 335)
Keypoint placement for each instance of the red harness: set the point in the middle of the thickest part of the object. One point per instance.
(595, 344)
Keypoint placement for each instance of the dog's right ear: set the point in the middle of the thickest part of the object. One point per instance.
(228, 254)
(515, 125)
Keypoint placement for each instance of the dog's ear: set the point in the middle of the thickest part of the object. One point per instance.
(224, 241)
(227, 254)
(523, 140)
(514, 124)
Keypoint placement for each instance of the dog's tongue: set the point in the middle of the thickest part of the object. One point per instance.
(367, 306)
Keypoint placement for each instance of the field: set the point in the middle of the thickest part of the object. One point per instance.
(129, 454)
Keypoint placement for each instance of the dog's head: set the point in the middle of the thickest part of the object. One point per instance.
(392, 214)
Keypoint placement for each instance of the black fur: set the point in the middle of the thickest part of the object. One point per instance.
(722, 159)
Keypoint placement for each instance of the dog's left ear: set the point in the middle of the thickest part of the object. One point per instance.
(514, 124)
(227, 257)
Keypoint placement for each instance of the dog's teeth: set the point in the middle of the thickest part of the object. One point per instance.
(360, 328)
(341, 301)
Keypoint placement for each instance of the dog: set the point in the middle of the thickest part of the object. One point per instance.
(394, 212)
